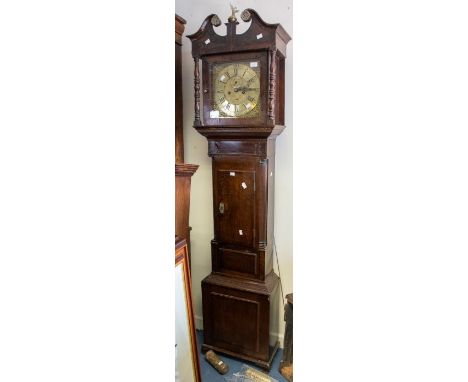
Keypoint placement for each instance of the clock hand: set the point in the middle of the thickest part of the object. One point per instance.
(243, 89)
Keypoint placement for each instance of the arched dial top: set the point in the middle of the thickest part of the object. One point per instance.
(236, 89)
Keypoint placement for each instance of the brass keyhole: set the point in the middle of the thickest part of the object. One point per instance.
(221, 208)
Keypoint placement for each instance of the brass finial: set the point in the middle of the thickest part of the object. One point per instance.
(234, 10)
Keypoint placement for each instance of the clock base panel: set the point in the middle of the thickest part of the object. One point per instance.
(240, 317)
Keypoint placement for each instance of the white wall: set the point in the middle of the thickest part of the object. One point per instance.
(196, 148)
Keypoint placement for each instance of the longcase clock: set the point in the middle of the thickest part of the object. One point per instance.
(239, 108)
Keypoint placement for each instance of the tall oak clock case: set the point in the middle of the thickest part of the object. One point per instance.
(239, 108)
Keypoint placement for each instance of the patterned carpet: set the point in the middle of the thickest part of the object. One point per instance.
(209, 373)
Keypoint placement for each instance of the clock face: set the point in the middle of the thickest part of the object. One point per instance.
(236, 90)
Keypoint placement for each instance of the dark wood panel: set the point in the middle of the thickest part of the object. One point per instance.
(241, 189)
(183, 179)
(238, 262)
(265, 287)
(235, 318)
(273, 35)
(237, 321)
(236, 210)
(183, 171)
(179, 28)
(241, 183)
(280, 90)
(239, 132)
(269, 250)
(179, 131)
(257, 147)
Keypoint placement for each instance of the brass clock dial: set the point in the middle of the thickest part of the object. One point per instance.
(236, 89)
